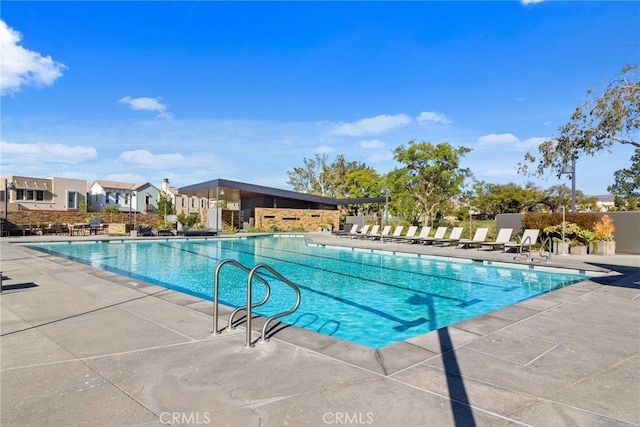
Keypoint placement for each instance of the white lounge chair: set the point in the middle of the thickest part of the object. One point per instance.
(529, 238)
(504, 235)
(348, 228)
(396, 232)
(350, 233)
(440, 232)
(411, 232)
(478, 238)
(385, 231)
(424, 233)
(363, 231)
(372, 234)
(456, 232)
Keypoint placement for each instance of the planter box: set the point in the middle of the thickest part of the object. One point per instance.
(602, 247)
(578, 250)
(560, 248)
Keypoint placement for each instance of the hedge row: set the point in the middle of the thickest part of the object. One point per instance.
(540, 221)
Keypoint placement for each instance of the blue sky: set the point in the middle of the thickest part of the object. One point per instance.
(193, 91)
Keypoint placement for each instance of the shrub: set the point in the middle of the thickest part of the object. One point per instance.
(540, 221)
(110, 209)
(570, 230)
(603, 229)
(585, 237)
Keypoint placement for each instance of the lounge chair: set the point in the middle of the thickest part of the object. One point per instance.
(454, 237)
(529, 238)
(202, 232)
(371, 234)
(440, 232)
(504, 235)
(384, 233)
(363, 231)
(352, 228)
(396, 232)
(478, 238)
(424, 234)
(411, 232)
(348, 233)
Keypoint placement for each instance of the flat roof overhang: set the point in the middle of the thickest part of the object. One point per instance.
(224, 189)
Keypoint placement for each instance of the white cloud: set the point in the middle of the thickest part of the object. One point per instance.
(147, 104)
(46, 153)
(146, 158)
(530, 143)
(371, 126)
(526, 2)
(324, 149)
(371, 144)
(379, 158)
(433, 118)
(495, 139)
(125, 177)
(511, 140)
(20, 66)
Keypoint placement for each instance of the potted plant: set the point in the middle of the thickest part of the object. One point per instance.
(603, 243)
(581, 244)
(561, 236)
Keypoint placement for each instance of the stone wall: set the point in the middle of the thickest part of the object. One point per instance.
(295, 219)
(64, 217)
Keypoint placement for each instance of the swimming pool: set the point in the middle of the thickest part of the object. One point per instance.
(370, 297)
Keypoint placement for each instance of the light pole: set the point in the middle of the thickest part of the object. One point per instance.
(386, 205)
(571, 170)
(564, 252)
(218, 193)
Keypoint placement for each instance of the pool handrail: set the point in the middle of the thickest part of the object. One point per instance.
(216, 289)
(295, 287)
(548, 257)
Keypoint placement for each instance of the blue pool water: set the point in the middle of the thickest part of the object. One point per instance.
(373, 298)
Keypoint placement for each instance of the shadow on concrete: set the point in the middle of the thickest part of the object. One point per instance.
(17, 286)
(629, 276)
(459, 400)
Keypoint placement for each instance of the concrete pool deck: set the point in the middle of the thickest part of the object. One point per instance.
(82, 346)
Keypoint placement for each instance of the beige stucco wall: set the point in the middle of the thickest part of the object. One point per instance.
(289, 219)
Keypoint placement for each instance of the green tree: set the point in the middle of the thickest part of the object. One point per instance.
(310, 178)
(492, 199)
(188, 221)
(402, 203)
(627, 181)
(431, 173)
(165, 205)
(603, 120)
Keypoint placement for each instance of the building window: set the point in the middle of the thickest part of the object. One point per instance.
(72, 200)
(117, 198)
(37, 195)
(106, 197)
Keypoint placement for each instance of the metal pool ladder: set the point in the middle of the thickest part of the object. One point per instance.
(250, 305)
(548, 257)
